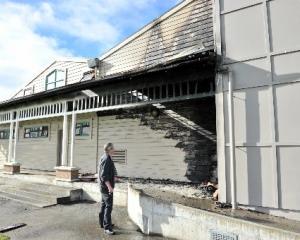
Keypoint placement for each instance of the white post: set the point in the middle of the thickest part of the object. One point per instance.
(73, 132)
(232, 141)
(16, 139)
(10, 144)
(64, 153)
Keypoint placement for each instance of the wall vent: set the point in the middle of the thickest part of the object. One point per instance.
(218, 235)
(120, 156)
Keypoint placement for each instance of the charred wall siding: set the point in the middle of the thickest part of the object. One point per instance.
(199, 151)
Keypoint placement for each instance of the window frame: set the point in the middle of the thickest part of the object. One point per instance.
(55, 79)
(39, 130)
(81, 127)
(6, 132)
(29, 90)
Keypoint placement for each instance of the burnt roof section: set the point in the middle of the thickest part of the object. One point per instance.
(184, 30)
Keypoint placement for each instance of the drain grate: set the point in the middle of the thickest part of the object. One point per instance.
(218, 235)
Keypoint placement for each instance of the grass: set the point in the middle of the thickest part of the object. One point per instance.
(2, 237)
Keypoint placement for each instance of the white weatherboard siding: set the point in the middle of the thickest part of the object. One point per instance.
(261, 48)
(74, 73)
(39, 153)
(85, 151)
(3, 147)
(149, 154)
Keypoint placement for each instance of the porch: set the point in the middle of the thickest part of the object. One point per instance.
(154, 92)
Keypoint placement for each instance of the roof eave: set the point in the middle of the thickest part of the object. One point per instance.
(204, 56)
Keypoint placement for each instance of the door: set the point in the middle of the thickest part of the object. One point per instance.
(59, 147)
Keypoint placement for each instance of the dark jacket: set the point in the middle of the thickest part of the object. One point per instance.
(106, 172)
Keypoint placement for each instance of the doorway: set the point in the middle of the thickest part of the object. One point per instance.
(59, 147)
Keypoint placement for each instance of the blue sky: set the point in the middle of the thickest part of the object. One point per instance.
(35, 33)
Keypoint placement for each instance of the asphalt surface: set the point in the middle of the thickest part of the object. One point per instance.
(64, 222)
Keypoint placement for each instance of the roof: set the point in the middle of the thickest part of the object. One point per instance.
(207, 57)
(186, 29)
(180, 34)
(75, 70)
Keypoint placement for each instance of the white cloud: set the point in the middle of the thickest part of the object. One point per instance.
(32, 35)
(23, 52)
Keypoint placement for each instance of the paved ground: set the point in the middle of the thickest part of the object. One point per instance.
(76, 222)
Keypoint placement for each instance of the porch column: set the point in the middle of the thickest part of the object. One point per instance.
(16, 141)
(73, 134)
(10, 141)
(67, 172)
(11, 166)
(64, 154)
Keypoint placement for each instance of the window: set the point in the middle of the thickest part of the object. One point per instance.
(55, 79)
(28, 91)
(120, 156)
(82, 129)
(4, 134)
(36, 132)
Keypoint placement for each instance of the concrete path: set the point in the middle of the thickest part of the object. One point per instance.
(61, 222)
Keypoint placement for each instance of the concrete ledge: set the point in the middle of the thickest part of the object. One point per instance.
(91, 192)
(68, 174)
(12, 168)
(154, 216)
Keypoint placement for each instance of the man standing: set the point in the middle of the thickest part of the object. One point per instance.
(106, 179)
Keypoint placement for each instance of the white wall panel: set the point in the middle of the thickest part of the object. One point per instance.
(289, 168)
(286, 67)
(284, 24)
(227, 5)
(288, 112)
(254, 176)
(251, 73)
(252, 115)
(243, 33)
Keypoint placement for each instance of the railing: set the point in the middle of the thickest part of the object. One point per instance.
(5, 117)
(131, 97)
(41, 111)
(160, 93)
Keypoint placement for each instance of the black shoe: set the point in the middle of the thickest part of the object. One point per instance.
(109, 232)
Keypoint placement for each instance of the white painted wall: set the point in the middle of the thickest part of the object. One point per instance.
(261, 45)
(155, 216)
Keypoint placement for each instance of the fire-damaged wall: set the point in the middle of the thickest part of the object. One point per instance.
(190, 125)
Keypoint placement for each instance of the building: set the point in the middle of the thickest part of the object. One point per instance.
(205, 67)
(258, 123)
(143, 95)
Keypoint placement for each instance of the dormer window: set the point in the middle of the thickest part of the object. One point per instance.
(28, 91)
(55, 79)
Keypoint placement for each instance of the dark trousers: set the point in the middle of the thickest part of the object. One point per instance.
(105, 211)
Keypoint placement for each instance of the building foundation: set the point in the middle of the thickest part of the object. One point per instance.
(67, 174)
(12, 168)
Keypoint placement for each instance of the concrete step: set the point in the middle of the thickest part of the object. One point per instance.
(28, 201)
(43, 197)
(40, 195)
